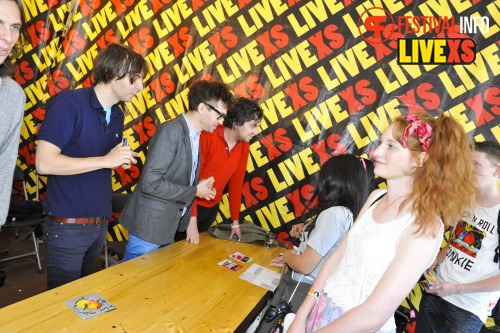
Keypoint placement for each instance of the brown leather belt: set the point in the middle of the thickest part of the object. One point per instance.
(79, 220)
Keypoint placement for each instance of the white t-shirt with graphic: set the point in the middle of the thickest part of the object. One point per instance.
(470, 258)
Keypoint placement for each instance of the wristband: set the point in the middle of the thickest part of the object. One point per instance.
(235, 226)
(313, 292)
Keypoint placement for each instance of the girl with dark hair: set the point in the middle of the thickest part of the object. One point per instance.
(396, 238)
(343, 186)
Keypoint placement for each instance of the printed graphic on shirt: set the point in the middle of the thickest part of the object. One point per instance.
(467, 238)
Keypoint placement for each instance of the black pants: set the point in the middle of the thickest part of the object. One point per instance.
(72, 250)
(438, 316)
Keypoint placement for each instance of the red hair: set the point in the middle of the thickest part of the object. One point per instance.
(444, 185)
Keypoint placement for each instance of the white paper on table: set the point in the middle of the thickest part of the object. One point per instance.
(262, 277)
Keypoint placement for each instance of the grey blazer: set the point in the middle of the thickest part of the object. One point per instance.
(154, 211)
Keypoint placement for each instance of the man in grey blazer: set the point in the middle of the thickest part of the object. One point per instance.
(162, 201)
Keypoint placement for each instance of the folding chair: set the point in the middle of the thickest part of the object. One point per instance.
(22, 214)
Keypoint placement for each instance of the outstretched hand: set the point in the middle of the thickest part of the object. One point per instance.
(278, 261)
(235, 230)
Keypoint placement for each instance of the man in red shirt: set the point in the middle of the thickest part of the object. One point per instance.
(224, 155)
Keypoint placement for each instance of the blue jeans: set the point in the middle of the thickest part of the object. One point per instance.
(71, 250)
(137, 247)
(437, 315)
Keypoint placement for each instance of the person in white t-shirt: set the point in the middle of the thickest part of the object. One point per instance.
(467, 284)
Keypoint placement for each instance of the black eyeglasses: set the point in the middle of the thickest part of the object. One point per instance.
(221, 115)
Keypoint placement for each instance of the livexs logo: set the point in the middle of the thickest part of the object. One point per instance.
(379, 25)
(436, 51)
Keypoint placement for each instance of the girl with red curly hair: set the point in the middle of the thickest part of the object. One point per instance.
(427, 165)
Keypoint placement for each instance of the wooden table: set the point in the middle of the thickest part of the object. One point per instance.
(179, 288)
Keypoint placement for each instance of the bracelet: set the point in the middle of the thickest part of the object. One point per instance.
(313, 292)
(235, 226)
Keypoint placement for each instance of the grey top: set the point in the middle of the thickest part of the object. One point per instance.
(155, 211)
(12, 101)
(331, 227)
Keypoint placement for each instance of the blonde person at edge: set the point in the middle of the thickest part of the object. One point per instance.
(12, 97)
(397, 238)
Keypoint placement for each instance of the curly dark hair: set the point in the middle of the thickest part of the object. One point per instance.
(208, 92)
(241, 111)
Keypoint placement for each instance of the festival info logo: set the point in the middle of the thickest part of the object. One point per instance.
(376, 25)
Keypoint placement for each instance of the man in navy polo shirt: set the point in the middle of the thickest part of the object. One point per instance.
(80, 141)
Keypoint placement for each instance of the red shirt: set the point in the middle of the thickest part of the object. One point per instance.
(227, 167)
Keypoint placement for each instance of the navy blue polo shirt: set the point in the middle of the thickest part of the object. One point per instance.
(75, 122)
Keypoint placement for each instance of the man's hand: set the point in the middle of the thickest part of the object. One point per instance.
(205, 189)
(296, 230)
(192, 234)
(120, 155)
(235, 230)
(50, 160)
(442, 289)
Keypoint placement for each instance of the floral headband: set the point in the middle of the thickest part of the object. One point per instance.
(422, 129)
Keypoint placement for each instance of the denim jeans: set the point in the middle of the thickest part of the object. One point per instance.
(71, 250)
(137, 247)
(437, 315)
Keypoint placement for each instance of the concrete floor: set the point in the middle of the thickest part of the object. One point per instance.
(23, 279)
